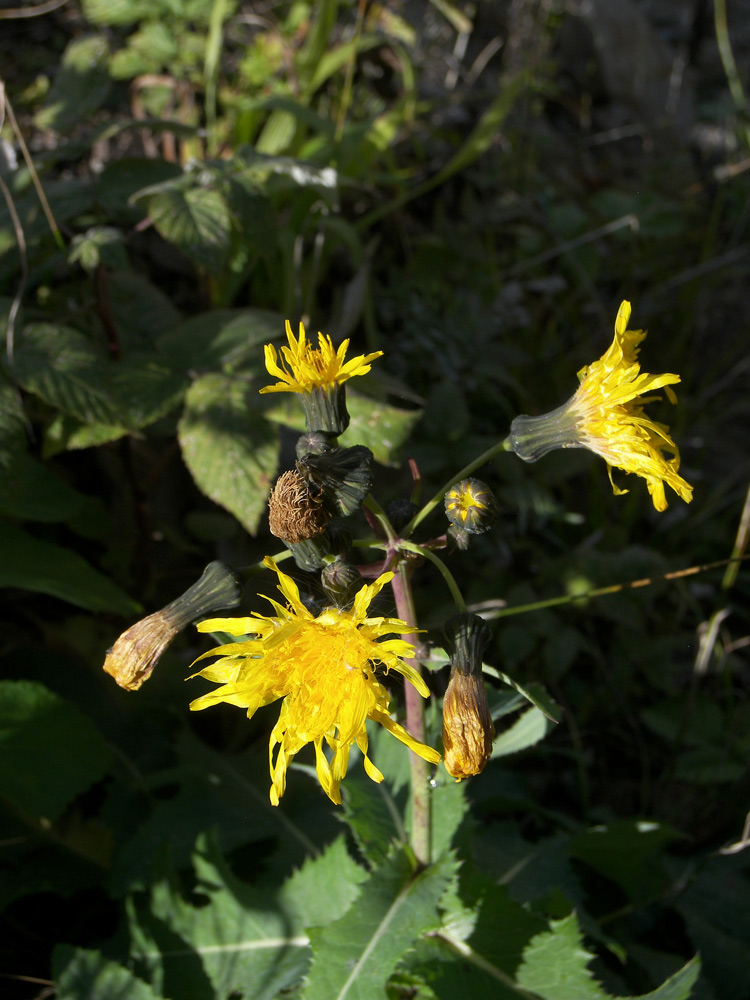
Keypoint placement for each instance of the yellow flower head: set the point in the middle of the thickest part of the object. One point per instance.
(304, 368)
(606, 416)
(323, 670)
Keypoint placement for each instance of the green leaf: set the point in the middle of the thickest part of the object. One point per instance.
(223, 339)
(197, 221)
(373, 817)
(32, 492)
(113, 11)
(98, 245)
(448, 807)
(66, 370)
(231, 451)
(555, 967)
(534, 693)
(81, 86)
(238, 937)
(324, 888)
(354, 957)
(50, 751)
(629, 852)
(81, 974)
(13, 439)
(122, 178)
(32, 564)
(382, 428)
(531, 727)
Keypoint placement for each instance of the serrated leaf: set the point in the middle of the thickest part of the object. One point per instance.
(448, 806)
(50, 751)
(62, 367)
(81, 85)
(324, 888)
(555, 968)
(373, 817)
(382, 428)
(81, 974)
(65, 369)
(231, 451)
(244, 941)
(197, 221)
(528, 729)
(354, 957)
(223, 339)
(33, 564)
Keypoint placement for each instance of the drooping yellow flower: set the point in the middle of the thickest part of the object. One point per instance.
(606, 416)
(303, 367)
(323, 670)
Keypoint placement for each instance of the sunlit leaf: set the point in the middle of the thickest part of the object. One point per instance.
(197, 221)
(229, 448)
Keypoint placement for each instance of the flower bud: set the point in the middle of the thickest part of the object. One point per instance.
(471, 505)
(340, 581)
(315, 443)
(343, 477)
(468, 730)
(458, 537)
(137, 651)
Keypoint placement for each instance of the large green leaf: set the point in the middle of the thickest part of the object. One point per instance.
(223, 339)
(66, 370)
(555, 968)
(50, 751)
(239, 939)
(531, 727)
(81, 974)
(30, 563)
(384, 429)
(13, 437)
(29, 490)
(197, 221)
(229, 448)
(81, 85)
(354, 956)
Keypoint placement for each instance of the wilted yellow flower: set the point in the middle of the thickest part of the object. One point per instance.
(304, 367)
(606, 416)
(468, 729)
(323, 670)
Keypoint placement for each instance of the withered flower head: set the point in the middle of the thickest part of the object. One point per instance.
(294, 514)
(468, 730)
(137, 651)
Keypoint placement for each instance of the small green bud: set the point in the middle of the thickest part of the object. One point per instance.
(471, 505)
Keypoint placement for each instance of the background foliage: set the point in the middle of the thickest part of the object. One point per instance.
(472, 188)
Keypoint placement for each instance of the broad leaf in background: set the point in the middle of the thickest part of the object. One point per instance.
(197, 221)
(380, 427)
(50, 751)
(33, 564)
(81, 85)
(31, 491)
(240, 938)
(229, 448)
(555, 968)
(354, 957)
(80, 974)
(13, 438)
(66, 370)
(220, 340)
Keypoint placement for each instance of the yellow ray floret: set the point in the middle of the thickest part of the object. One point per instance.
(606, 416)
(322, 669)
(303, 367)
(609, 405)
